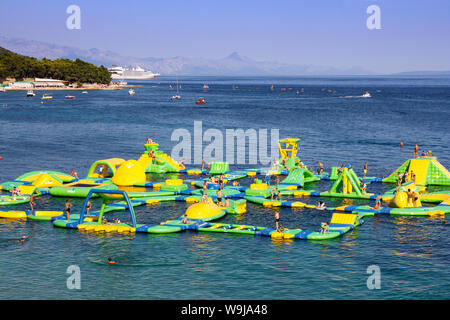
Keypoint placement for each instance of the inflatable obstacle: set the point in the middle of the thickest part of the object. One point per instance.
(25, 194)
(219, 168)
(159, 162)
(298, 177)
(428, 171)
(104, 168)
(81, 188)
(129, 173)
(39, 179)
(346, 186)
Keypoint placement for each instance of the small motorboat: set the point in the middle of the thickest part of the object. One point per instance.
(131, 92)
(30, 93)
(200, 100)
(69, 97)
(84, 92)
(46, 97)
(366, 95)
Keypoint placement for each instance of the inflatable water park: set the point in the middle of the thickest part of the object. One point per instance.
(418, 189)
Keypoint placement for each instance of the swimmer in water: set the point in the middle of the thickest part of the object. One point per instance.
(111, 261)
(320, 205)
(23, 239)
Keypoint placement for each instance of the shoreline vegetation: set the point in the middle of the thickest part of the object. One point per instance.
(86, 87)
(74, 74)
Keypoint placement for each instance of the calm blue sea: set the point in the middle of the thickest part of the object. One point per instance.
(62, 135)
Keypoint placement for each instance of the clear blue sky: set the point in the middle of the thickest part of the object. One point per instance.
(414, 36)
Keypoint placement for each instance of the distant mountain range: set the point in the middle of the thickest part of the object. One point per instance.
(234, 64)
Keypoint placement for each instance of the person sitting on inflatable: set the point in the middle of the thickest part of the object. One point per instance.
(15, 193)
(74, 174)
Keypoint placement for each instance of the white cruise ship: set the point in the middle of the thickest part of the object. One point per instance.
(133, 74)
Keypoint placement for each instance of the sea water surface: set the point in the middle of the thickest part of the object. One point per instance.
(335, 127)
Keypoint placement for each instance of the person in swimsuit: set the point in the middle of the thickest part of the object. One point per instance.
(185, 219)
(406, 176)
(413, 177)
(409, 193)
(68, 206)
(32, 203)
(272, 193)
(277, 219)
(399, 179)
(182, 163)
(279, 195)
(219, 197)
(88, 207)
(363, 186)
(377, 202)
(320, 170)
(320, 205)
(227, 202)
(205, 186)
(416, 151)
(15, 193)
(221, 184)
(74, 174)
(324, 228)
(341, 169)
(415, 197)
(365, 170)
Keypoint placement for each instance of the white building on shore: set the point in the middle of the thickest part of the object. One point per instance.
(37, 83)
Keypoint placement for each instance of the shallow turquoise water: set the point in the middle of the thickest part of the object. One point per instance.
(62, 135)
